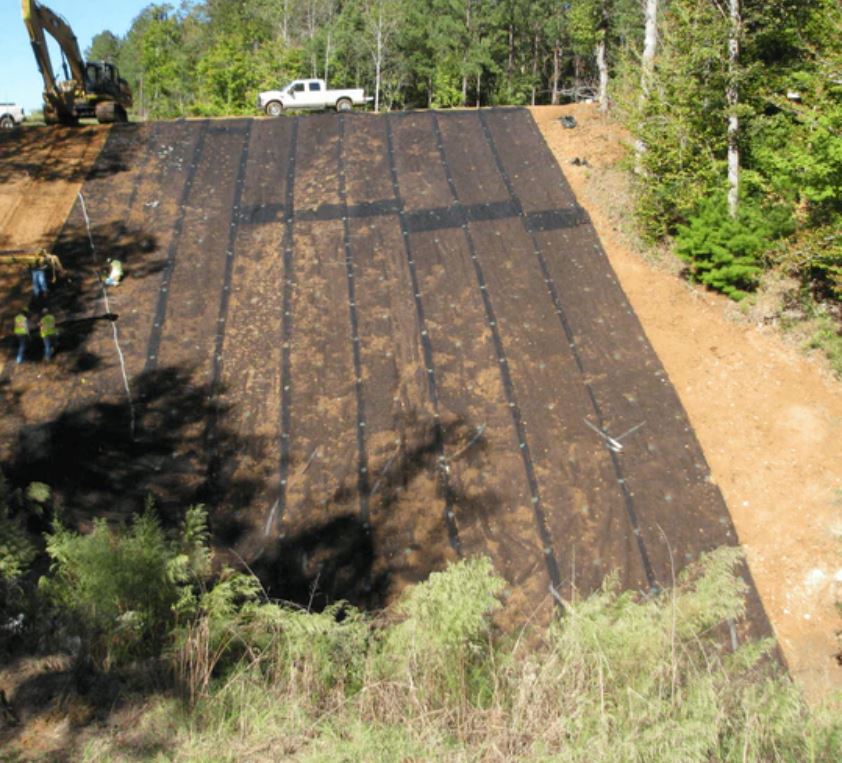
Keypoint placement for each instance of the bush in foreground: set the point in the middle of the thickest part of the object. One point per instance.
(121, 593)
(617, 678)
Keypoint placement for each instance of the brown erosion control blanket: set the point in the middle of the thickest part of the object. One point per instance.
(372, 344)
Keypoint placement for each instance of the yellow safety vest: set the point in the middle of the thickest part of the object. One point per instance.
(21, 326)
(48, 325)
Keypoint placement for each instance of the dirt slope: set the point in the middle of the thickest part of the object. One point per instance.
(41, 171)
(238, 324)
(768, 418)
(372, 346)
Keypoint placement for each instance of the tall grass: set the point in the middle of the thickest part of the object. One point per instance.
(617, 678)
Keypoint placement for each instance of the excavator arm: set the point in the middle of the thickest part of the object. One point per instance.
(89, 89)
(29, 259)
(39, 20)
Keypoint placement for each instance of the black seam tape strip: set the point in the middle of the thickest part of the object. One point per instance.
(286, 321)
(427, 348)
(571, 343)
(169, 265)
(363, 485)
(503, 364)
(222, 317)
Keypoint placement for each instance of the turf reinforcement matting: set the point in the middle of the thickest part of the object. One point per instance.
(372, 345)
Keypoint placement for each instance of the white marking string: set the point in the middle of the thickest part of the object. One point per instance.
(270, 520)
(132, 422)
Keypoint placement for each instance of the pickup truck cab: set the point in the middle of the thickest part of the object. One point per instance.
(10, 115)
(309, 94)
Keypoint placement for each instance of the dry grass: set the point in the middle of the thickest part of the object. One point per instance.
(615, 679)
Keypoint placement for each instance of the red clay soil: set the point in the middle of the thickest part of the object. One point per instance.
(371, 345)
(768, 418)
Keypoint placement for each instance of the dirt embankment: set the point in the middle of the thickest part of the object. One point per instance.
(768, 418)
(41, 171)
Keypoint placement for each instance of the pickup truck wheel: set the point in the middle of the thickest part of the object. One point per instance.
(344, 104)
(6, 122)
(274, 108)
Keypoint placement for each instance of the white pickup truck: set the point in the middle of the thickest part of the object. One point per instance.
(10, 115)
(309, 94)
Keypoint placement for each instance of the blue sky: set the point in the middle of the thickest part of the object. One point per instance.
(20, 81)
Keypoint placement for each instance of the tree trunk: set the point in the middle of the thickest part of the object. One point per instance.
(468, 29)
(479, 82)
(733, 96)
(647, 66)
(285, 23)
(510, 61)
(327, 59)
(556, 73)
(603, 75)
(535, 42)
(378, 62)
(650, 41)
(601, 64)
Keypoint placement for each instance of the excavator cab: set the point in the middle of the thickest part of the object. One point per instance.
(93, 76)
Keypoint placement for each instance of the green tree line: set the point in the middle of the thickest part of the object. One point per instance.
(213, 57)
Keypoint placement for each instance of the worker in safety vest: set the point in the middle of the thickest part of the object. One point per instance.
(48, 333)
(22, 333)
(116, 274)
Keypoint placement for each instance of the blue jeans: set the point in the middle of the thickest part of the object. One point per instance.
(39, 281)
(23, 340)
(48, 347)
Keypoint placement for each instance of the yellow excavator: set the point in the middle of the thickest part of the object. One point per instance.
(89, 89)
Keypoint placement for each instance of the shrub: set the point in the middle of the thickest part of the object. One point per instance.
(725, 253)
(122, 591)
(16, 549)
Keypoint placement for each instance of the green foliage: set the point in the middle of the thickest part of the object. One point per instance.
(121, 591)
(617, 678)
(790, 112)
(682, 122)
(822, 329)
(444, 631)
(16, 549)
(163, 62)
(105, 46)
(211, 57)
(17, 508)
(725, 253)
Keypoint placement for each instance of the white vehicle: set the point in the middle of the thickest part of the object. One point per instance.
(10, 115)
(309, 94)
